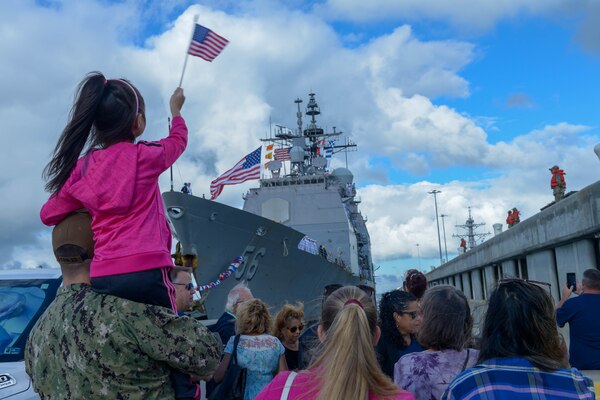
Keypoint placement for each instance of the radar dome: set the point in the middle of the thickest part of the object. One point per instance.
(343, 175)
(297, 154)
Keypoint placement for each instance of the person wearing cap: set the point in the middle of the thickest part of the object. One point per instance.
(557, 182)
(90, 346)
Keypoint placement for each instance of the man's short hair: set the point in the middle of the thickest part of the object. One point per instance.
(591, 278)
(73, 240)
(178, 269)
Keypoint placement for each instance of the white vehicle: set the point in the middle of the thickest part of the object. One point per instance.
(24, 296)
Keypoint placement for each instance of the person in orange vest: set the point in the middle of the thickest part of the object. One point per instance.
(510, 219)
(558, 183)
(463, 245)
(516, 214)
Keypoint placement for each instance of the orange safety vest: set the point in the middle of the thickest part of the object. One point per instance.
(515, 215)
(554, 182)
(510, 219)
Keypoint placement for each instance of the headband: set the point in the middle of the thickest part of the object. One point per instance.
(354, 301)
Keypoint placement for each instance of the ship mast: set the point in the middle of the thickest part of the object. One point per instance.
(304, 144)
(471, 235)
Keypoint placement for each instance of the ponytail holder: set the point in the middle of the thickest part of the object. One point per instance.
(105, 83)
(354, 301)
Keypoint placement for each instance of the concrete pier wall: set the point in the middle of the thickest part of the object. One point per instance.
(562, 238)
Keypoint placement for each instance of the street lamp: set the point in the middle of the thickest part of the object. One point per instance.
(444, 229)
(418, 255)
(434, 192)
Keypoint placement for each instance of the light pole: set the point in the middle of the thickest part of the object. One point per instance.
(434, 192)
(418, 255)
(444, 229)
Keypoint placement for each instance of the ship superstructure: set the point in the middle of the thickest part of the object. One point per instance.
(300, 230)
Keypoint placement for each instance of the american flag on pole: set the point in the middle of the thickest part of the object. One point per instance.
(246, 169)
(282, 154)
(206, 44)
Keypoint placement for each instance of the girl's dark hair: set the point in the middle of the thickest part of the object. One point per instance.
(447, 322)
(520, 322)
(103, 114)
(392, 302)
(415, 283)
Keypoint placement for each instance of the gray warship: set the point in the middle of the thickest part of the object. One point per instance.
(300, 230)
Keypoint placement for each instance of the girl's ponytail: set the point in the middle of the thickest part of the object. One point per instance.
(347, 366)
(76, 134)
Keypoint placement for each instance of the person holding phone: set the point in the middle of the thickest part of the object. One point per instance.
(581, 314)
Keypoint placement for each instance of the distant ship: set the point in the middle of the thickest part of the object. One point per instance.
(299, 231)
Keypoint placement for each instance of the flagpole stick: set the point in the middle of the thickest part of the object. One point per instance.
(187, 52)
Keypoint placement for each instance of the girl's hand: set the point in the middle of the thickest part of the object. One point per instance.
(176, 102)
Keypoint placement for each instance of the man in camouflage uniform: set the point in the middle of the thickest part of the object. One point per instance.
(91, 346)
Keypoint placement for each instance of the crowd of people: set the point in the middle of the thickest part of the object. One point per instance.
(417, 345)
(117, 328)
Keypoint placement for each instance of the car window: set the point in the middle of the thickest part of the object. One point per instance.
(22, 302)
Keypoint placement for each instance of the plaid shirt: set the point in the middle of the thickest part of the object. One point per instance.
(518, 379)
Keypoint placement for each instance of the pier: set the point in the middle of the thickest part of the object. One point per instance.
(564, 237)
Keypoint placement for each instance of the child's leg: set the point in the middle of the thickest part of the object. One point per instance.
(149, 287)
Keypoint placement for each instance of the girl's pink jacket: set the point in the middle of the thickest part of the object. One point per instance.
(119, 187)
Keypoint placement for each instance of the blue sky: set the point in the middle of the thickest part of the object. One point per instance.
(475, 99)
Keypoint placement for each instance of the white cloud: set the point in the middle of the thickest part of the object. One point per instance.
(465, 15)
(380, 92)
(402, 215)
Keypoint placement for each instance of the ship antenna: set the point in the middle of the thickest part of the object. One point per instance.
(346, 153)
(299, 114)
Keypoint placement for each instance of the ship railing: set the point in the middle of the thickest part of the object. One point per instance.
(292, 180)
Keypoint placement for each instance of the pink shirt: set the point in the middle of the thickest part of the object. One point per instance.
(302, 383)
(119, 187)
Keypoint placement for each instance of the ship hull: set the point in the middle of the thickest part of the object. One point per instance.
(275, 269)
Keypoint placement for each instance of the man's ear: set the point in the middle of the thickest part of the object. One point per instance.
(376, 335)
(321, 333)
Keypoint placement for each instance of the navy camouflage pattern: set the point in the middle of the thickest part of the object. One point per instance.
(90, 346)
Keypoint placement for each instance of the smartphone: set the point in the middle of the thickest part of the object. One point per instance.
(571, 282)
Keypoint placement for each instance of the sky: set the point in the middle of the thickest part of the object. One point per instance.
(474, 99)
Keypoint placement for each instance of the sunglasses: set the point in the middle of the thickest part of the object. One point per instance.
(295, 329)
(329, 289)
(188, 286)
(413, 314)
(544, 285)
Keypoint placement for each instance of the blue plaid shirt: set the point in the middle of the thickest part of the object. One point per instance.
(518, 379)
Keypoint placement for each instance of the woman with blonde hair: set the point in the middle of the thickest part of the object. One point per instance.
(288, 327)
(261, 354)
(346, 366)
